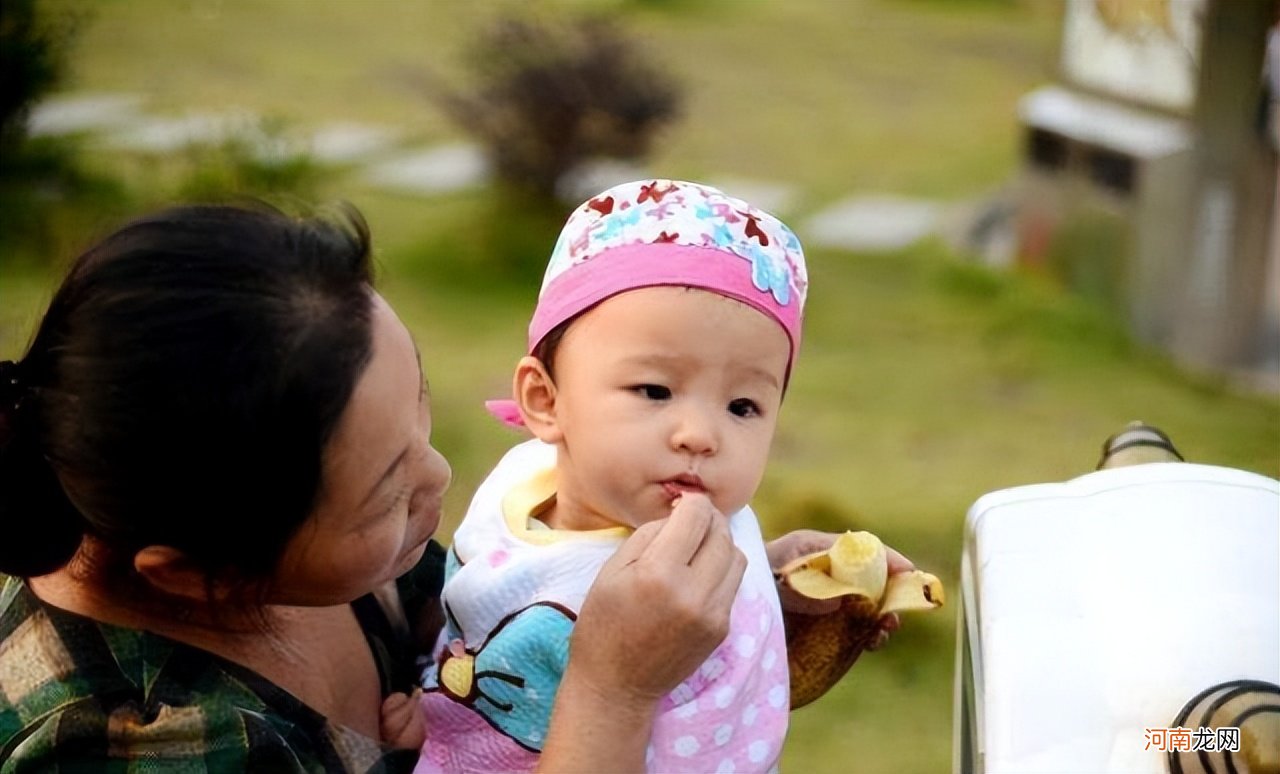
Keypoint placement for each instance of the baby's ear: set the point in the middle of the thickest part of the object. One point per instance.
(536, 398)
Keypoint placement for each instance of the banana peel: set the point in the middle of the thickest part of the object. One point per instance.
(855, 570)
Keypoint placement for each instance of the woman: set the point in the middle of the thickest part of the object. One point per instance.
(217, 490)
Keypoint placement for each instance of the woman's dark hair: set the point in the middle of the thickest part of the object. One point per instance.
(181, 389)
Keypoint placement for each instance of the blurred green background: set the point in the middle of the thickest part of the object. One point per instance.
(925, 379)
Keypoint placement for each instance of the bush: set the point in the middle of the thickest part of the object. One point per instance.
(550, 95)
(259, 162)
(46, 197)
(32, 60)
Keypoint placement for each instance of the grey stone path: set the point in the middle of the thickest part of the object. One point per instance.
(380, 159)
(83, 113)
(346, 143)
(437, 170)
(167, 135)
(872, 223)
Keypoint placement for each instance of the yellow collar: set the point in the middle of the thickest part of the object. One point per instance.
(531, 498)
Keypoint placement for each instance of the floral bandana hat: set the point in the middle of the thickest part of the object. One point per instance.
(669, 232)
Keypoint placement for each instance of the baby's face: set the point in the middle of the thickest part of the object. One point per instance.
(660, 391)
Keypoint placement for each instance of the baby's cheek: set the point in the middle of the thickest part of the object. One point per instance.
(643, 513)
(746, 478)
(727, 504)
(736, 494)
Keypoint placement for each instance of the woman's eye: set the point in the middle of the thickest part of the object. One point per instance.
(653, 391)
(744, 407)
(399, 503)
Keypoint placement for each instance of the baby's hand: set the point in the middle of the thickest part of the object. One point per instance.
(807, 541)
(402, 721)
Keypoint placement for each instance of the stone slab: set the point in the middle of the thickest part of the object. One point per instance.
(872, 223)
(75, 113)
(166, 135)
(346, 142)
(438, 170)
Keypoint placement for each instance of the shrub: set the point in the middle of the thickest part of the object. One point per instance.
(47, 198)
(259, 161)
(550, 95)
(32, 60)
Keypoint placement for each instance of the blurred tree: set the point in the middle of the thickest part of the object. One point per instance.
(46, 196)
(32, 60)
(552, 94)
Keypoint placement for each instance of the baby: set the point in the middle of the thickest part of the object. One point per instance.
(659, 353)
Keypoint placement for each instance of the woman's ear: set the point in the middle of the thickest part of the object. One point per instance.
(169, 570)
(536, 398)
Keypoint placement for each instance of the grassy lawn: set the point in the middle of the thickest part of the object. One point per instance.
(908, 96)
(923, 382)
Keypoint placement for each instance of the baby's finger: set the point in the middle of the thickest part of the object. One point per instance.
(394, 704)
(796, 544)
(402, 725)
(399, 707)
(898, 562)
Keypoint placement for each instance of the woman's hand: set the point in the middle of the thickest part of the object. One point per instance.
(660, 605)
(794, 545)
(657, 610)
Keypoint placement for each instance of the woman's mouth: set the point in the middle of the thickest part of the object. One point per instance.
(434, 514)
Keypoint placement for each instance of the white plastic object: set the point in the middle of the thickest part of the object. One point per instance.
(1094, 609)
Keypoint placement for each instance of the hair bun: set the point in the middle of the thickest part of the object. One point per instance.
(11, 390)
(40, 529)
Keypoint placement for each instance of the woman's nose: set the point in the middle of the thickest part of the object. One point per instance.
(439, 470)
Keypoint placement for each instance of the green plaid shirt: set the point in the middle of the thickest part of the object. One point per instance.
(80, 695)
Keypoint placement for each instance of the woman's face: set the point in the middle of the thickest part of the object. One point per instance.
(382, 482)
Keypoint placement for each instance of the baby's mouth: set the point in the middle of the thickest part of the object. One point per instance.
(685, 482)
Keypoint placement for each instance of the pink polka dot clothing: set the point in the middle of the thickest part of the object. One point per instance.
(511, 594)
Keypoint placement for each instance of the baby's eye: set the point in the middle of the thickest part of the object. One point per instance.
(744, 407)
(653, 391)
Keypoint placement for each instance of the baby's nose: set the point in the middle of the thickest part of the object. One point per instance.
(696, 434)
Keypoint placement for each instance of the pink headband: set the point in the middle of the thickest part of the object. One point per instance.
(669, 232)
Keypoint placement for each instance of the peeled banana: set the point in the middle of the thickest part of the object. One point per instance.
(855, 570)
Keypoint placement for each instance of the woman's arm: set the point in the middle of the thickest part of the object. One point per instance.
(657, 610)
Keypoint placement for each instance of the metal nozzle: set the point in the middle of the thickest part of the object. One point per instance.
(1137, 444)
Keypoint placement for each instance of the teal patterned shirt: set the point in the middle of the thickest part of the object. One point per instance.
(80, 695)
